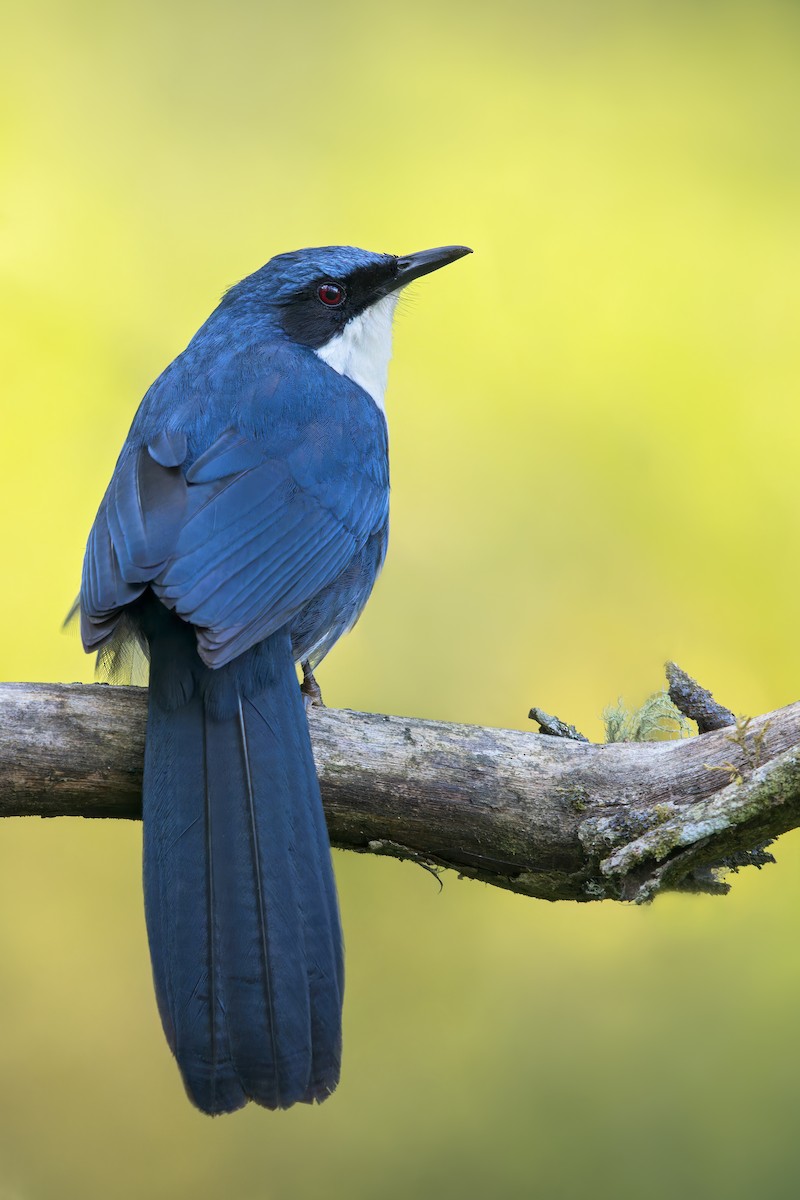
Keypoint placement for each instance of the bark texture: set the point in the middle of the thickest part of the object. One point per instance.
(544, 816)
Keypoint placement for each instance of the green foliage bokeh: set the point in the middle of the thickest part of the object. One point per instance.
(594, 427)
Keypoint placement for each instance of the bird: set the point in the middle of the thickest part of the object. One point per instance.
(241, 533)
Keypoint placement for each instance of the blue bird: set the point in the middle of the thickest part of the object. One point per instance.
(242, 532)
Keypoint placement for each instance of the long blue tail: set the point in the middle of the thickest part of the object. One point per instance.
(240, 898)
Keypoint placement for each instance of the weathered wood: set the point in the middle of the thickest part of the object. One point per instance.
(546, 817)
(696, 702)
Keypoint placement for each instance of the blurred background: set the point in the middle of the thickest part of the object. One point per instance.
(594, 428)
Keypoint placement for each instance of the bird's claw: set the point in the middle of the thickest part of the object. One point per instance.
(310, 689)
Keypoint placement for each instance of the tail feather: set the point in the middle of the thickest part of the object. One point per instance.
(240, 897)
(322, 930)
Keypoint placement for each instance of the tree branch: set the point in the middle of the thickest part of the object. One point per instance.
(695, 702)
(543, 816)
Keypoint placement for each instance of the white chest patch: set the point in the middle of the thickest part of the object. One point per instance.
(362, 350)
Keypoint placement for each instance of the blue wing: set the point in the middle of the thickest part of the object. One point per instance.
(236, 541)
(133, 534)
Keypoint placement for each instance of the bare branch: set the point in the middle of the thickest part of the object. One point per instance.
(554, 726)
(543, 816)
(695, 702)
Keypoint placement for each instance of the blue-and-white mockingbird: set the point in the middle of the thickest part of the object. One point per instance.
(242, 532)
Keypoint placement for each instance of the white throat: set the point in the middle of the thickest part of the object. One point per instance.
(362, 350)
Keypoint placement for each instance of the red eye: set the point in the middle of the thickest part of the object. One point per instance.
(331, 293)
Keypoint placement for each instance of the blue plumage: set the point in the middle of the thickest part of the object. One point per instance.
(242, 531)
(240, 899)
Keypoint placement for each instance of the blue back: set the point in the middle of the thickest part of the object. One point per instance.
(252, 477)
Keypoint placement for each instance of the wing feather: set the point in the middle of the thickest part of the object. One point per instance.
(256, 546)
(234, 542)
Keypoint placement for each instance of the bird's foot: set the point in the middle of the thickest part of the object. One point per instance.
(312, 696)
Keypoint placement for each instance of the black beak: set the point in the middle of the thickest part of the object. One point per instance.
(414, 266)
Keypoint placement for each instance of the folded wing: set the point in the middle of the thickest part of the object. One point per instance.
(234, 543)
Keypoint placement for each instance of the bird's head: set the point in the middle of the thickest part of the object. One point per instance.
(339, 302)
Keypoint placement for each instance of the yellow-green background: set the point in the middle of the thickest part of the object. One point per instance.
(595, 438)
